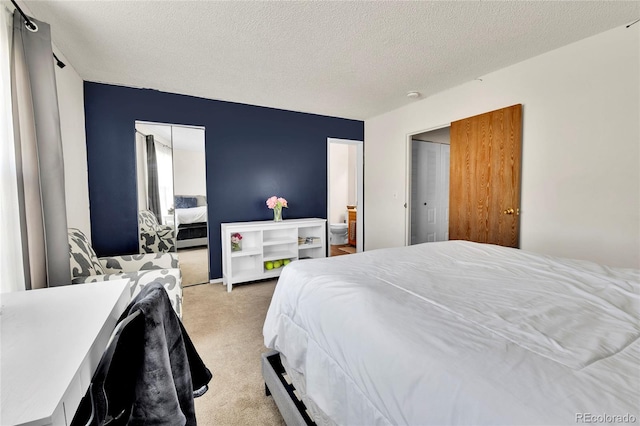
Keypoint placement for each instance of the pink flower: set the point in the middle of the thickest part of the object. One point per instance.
(275, 201)
(271, 202)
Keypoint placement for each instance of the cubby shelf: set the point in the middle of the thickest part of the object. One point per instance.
(308, 246)
(279, 256)
(275, 242)
(266, 241)
(252, 251)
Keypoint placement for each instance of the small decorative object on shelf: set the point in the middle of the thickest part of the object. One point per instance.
(236, 242)
(275, 264)
(276, 204)
(308, 240)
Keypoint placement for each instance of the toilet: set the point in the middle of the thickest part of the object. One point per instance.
(338, 233)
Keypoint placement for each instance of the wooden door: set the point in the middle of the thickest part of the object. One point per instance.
(485, 177)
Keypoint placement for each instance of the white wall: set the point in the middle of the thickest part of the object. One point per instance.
(71, 105)
(439, 136)
(338, 182)
(352, 170)
(189, 175)
(141, 171)
(581, 149)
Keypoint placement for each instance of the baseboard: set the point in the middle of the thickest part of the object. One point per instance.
(216, 281)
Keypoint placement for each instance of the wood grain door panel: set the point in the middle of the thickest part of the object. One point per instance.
(485, 177)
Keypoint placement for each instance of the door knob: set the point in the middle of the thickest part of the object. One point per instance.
(509, 211)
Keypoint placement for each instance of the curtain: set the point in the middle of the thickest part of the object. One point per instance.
(164, 158)
(153, 190)
(11, 268)
(141, 170)
(38, 157)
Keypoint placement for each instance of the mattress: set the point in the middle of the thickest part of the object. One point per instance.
(191, 215)
(459, 333)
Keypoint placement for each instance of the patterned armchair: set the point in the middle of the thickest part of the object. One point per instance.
(140, 269)
(155, 238)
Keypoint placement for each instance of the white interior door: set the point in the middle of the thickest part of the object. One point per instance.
(429, 192)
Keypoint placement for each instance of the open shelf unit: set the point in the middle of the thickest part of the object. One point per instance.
(269, 243)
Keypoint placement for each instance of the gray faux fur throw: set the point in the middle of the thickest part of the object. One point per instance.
(154, 371)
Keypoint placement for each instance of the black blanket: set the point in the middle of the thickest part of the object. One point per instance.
(154, 371)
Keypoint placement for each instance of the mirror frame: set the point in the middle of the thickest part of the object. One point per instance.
(139, 126)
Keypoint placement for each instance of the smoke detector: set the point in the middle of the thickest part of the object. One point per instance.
(413, 95)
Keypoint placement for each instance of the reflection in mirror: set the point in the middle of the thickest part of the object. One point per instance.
(182, 192)
(154, 166)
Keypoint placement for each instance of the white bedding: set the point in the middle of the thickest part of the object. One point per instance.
(192, 215)
(459, 333)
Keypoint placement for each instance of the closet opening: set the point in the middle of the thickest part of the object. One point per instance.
(428, 186)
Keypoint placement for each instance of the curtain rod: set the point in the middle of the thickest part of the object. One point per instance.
(33, 27)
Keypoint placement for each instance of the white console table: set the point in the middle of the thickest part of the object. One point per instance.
(269, 241)
(52, 340)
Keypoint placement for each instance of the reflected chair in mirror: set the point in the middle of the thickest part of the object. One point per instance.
(154, 237)
(140, 269)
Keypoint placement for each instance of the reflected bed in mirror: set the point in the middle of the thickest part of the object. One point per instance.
(181, 192)
(191, 220)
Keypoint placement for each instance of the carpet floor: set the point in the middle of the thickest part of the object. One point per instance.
(226, 329)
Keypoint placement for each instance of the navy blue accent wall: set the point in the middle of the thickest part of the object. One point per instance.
(251, 153)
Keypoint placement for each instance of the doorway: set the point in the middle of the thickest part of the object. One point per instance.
(345, 189)
(429, 186)
(484, 178)
(177, 153)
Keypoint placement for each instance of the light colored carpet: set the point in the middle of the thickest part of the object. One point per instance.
(226, 329)
(194, 265)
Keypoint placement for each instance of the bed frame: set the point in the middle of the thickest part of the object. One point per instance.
(192, 235)
(291, 408)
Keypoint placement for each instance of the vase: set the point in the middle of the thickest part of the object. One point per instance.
(236, 246)
(277, 213)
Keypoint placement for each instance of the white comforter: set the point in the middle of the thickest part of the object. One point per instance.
(192, 215)
(460, 333)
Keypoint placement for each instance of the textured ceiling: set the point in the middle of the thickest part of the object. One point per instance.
(346, 59)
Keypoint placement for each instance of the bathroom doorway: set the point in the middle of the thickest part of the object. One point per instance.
(345, 189)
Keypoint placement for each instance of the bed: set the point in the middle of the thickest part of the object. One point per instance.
(191, 220)
(458, 333)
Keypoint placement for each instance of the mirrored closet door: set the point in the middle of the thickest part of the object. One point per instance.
(172, 188)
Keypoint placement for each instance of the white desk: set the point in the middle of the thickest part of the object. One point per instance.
(51, 342)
